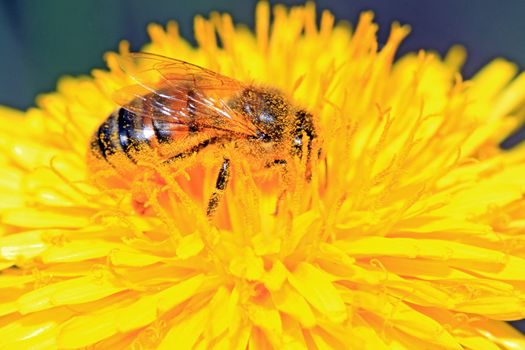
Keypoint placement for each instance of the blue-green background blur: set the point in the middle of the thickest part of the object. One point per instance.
(42, 40)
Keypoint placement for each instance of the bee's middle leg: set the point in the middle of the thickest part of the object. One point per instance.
(220, 186)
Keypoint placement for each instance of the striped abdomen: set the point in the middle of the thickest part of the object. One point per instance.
(125, 132)
(128, 132)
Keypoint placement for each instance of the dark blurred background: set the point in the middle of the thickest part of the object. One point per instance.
(42, 40)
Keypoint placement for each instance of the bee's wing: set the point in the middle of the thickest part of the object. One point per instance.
(178, 92)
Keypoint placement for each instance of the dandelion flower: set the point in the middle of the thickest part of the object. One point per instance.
(410, 234)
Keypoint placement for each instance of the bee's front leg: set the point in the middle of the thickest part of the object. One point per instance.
(220, 186)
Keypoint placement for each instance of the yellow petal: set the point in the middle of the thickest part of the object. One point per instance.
(496, 307)
(316, 287)
(73, 291)
(36, 331)
(25, 244)
(184, 334)
(219, 313)
(478, 342)
(266, 318)
(247, 265)
(138, 314)
(292, 337)
(189, 246)
(404, 318)
(454, 253)
(176, 294)
(40, 218)
(291, 302)
(80, 250)
(274, 279)
(130, 258)
(87, 329)
(501, 333)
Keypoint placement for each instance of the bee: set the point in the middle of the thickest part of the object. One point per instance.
(178, 109)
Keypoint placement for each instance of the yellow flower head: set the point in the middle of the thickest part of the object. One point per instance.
(409, 234)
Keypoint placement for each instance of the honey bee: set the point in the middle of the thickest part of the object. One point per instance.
(179, 109)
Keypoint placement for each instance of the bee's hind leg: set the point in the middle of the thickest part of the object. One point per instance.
(220, 186)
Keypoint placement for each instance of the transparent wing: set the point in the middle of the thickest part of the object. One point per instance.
(174, 91)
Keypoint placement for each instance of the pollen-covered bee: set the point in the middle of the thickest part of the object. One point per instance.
(178, 109)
